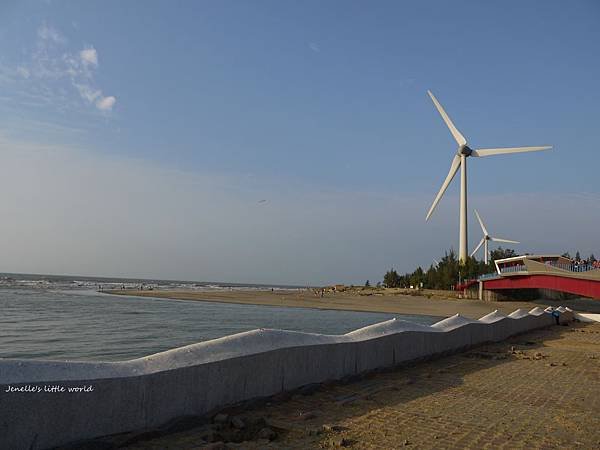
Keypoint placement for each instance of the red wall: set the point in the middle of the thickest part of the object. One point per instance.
(585, 288)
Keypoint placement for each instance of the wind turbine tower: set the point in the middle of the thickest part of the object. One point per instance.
(460, 160)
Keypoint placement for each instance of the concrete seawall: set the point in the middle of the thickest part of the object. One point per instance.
(196, 379)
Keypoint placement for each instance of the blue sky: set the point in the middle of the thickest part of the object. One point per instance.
(318, 107)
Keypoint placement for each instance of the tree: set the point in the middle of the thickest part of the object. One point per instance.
(592, 258)
(566, 255)
(577, 256)
(472, 268)
(416, 278)
(391, 279)
(367, 284)
(501, 253)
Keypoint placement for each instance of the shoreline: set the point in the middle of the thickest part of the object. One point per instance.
(389, 301)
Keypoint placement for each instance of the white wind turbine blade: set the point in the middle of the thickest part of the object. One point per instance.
(478, 246)
(485, 232)
(457, 136)
(502, 151)
(453, 169)
(504, 240)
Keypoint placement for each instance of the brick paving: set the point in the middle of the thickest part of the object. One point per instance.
(540, 390)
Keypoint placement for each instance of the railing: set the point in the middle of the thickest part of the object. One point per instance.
(510, 269)
(489, 276)
(571, 267)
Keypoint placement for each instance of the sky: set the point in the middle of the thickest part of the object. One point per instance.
(289, 142)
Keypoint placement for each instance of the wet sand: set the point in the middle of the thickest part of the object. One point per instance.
(426, 302)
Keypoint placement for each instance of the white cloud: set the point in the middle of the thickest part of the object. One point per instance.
(95, 96)
(89, 56)
(48, 33)
(73, 67)
(87, 92)
(106, 103)
(54, 70)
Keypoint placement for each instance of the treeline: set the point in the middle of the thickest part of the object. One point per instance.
(577, 258)
(448, 272)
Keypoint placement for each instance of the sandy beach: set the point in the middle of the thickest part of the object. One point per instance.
(426, 302)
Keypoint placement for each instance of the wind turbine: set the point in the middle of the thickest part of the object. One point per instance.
(460, 160)
(486, 238)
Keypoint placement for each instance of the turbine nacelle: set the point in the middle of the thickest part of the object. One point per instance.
(464, 150)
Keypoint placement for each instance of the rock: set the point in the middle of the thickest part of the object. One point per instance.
(336, 428)
(238, 423)
(267, 433)
(221, 418)
(406, 442)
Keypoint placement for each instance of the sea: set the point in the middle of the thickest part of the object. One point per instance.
(47, 317)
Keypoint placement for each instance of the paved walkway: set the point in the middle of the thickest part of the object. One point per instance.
(539, 390)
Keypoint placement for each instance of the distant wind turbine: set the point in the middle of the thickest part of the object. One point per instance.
(460, 160)
(486, 238)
